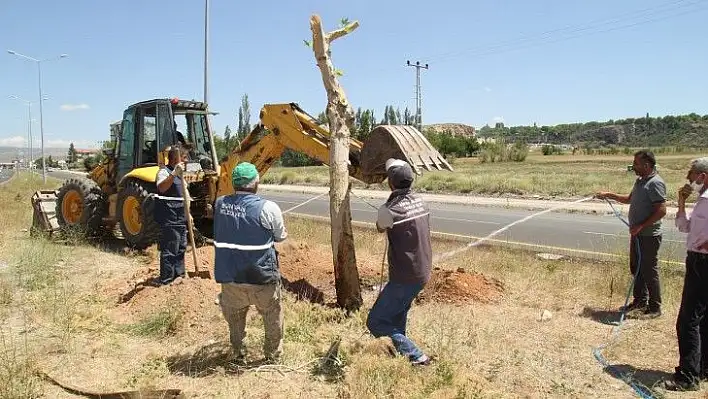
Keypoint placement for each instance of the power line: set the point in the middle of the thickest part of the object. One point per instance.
(577, 31)
(418, 97)
(518, 43)
(505, 50)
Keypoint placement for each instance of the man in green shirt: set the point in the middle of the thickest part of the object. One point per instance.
(647, 206)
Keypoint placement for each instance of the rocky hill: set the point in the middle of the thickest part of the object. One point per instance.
(457, 129)
(8, 154)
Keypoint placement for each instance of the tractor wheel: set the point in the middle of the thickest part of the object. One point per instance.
(81, 206)
(137, 226)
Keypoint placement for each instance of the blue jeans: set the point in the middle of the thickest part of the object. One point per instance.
(173, 244)
(387, 318)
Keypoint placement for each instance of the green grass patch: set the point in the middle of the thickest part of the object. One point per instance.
(160, 324)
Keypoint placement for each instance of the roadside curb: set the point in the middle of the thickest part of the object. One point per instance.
(597, 207)
(70, 171)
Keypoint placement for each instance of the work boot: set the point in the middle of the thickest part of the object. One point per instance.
(634, 305)
(423, 360)
(652, 312)
(236, 357)
(679, 385)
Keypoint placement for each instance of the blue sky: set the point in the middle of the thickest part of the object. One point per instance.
(543, 61)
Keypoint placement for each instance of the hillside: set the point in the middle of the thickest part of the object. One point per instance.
(682, 130)
(7, 154)
(457, 129)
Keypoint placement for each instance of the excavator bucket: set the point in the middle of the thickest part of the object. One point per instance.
(401, 142)
(44, 220)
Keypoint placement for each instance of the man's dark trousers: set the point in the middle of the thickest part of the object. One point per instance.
(647, 288)
(173, 245)
(691, 325)
(388, 316)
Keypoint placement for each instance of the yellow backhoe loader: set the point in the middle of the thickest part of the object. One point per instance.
(119, 191)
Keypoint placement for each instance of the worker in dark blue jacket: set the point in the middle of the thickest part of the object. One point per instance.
(246, 228)
(170, 215)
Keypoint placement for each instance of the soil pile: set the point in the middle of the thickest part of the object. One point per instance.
(461, 286)
(307, 273)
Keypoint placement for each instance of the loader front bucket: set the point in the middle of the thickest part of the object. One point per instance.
(400, 142)
(44, 219)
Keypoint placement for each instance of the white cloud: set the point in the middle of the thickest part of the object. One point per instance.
(14, 141)
(73, 107)
(498, 119)
(78, 144)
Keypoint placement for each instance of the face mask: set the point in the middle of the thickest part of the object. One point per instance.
(697, 187)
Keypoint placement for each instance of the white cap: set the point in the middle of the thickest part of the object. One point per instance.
(391, 162)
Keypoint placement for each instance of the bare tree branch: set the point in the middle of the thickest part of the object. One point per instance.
(336, 34)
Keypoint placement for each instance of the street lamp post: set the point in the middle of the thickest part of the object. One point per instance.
(206, 51)
(29, 128)
(41, 114)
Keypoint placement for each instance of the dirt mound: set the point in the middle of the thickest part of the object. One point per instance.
(461, 286)
(309, 272)
(306, 270)
(139, 297)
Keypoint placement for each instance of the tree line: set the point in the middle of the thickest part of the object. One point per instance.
(365, 120)
(689, 130)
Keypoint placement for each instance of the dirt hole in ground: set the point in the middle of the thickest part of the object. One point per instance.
(307, 273)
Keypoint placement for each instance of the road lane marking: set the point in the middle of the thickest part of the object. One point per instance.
(528, 246)
(368, 210)
(465, 220)
(624, 236)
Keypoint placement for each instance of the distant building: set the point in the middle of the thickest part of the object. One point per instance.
(81, 154)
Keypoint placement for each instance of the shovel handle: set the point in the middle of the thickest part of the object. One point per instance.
(190, 227)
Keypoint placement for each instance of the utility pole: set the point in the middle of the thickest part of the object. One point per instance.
(418, 96)
(206, 51)
(29, 128)
(29, 133)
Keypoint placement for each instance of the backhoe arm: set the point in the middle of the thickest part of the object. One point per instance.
(287, 126)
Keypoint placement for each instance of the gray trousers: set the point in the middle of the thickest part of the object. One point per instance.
(235, 301)
(647, 287)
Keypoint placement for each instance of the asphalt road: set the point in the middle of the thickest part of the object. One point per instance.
(5, 174)
(591, 233)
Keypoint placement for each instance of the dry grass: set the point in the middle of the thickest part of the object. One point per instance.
(60, 308)
(548, 176)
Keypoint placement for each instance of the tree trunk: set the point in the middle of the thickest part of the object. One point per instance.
(341, 119)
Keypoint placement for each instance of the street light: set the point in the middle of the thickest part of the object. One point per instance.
(29, 128)
(206, 51)
(41, 114)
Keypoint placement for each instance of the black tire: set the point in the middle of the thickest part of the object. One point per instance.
(203, 230)
(91, 203)
(149, 231)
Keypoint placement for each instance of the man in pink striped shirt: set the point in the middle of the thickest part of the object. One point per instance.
(692, 323)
